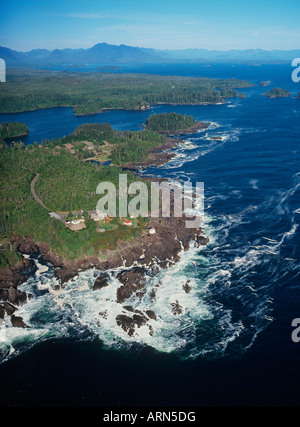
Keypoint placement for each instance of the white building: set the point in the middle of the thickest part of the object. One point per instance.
(54, 215)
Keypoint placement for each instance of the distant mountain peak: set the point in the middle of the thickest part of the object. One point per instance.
(103, 53)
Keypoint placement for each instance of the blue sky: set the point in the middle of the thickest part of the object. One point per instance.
(160, 24)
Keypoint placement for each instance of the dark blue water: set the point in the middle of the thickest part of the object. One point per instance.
(248, 276)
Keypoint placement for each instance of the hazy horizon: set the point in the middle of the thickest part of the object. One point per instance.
(142, 47)
(168, 25)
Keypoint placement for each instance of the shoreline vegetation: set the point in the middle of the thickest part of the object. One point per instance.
(67, 183)
(94, 92)
(12, 130)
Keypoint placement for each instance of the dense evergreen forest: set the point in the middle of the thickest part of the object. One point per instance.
(169, 122)
(135, 146)
(93, 132)
(89, 93)
(12, 130)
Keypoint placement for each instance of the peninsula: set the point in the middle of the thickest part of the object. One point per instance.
(44, 186)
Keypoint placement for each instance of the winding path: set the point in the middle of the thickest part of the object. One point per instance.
(35, 196)
(61, 215)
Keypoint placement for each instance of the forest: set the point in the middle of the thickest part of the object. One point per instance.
(88, 141)
(90, 93)
(121, 146)
(12, 130)
(135, 146)
(65, 184)
(169, 122)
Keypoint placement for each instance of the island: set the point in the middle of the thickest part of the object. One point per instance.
(265, 83)
(277, 93)
(48, 199)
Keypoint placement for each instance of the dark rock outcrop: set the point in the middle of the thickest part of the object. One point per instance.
(176, 308)
(139, 320)
(200, 240)
(6, 308)
(132, 281)
(18, 322)
(101, 282)
(103, 314)
(126, 323)
(151, 314)
(15, 275)
(13, 296)
(129, 308)
(129, 324)
(152, 294)
(186, 287)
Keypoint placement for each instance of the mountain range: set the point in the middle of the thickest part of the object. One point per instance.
(106, 54)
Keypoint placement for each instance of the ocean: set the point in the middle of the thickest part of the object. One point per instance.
(232, 344)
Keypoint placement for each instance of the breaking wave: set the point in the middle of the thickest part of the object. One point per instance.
(201, 144)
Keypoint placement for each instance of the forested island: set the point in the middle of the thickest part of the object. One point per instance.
(90, 93)
(277, 93)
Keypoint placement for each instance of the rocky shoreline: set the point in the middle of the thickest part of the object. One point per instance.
(197, 126)
(150, 250)
(158, 155)
(161, 248)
